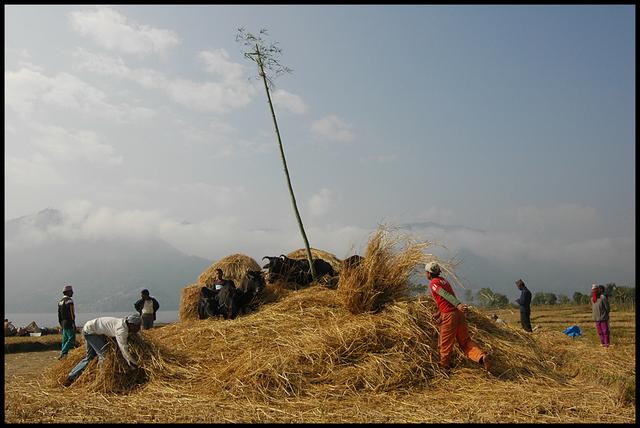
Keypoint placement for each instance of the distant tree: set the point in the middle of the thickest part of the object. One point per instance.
(623, 295)
(486, 298)
(563, 299)
(542, 298)
(500, 301)
(550, 299)
(468, 296)
(581, 299)
(610, 289)
(538, 298)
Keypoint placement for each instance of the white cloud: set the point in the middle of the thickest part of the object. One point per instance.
(116, 32)
(215, 237)
(289, 101)
(217, 62)
(68, 146)
(321, 203)
(27, 90)
(32, 173)
(332, 128)
(230, 93)
(438, 215)
(567, 220)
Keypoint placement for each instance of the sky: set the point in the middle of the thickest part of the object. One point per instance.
(510, 128)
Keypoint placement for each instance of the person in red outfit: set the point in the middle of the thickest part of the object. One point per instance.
(453, 325)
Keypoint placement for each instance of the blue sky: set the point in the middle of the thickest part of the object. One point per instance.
(518, 121)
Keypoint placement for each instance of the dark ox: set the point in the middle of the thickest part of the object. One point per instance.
(250, 288)
(229, 300)
(295, 270)
(351, 262)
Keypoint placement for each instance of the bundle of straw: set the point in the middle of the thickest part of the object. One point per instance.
(156, 364)
(383, 275)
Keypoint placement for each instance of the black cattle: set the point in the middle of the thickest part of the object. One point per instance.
(207, 303)
(218, 302)
(251, 286)
(351, 262)
(295, 270)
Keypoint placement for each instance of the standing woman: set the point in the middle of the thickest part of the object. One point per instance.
(601, 315)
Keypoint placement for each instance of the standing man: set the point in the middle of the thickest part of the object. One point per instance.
(67, 320)
(147, 307)
(453, 325)
(601, 310)
(525, 305)
(95, 332)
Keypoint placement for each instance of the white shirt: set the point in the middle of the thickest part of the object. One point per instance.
(148, 307)
(112, 327)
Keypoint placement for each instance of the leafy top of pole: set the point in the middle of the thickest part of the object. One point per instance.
(264, 54)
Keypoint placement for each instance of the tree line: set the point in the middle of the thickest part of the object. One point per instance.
(486, 298)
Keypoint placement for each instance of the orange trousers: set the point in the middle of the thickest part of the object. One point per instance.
(453, 327)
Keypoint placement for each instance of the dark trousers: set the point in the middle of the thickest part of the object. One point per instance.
(147, 321)
(525, 320)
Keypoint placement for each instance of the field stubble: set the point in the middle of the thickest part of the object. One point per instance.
(566, 377)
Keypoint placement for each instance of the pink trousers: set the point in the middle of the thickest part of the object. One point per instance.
(603, 331)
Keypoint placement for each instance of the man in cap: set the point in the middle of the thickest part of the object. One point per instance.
(525, 305)
(67, 320)
(147, 307)
(453, 325)
(95, 332)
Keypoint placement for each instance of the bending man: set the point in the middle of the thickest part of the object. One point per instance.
(95, 334)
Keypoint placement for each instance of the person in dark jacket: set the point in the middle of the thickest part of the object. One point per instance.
(147, 307)
(601, 310)
(525, 305)
(67, 320)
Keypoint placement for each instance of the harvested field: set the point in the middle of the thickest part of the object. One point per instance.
(353, 354)
(305, 358)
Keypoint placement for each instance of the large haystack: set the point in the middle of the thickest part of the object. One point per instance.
(234, 267)
(319, 254)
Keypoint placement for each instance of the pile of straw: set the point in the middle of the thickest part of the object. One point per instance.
(233, 267)
(307, 344)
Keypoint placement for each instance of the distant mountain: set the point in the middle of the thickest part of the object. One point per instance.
(107, 274)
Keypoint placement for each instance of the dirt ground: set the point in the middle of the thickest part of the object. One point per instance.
(25, 364)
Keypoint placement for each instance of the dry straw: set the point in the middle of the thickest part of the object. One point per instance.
(233, 267)
(383, 275)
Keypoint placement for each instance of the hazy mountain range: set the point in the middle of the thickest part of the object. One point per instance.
(106, 274)
(46, 250)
